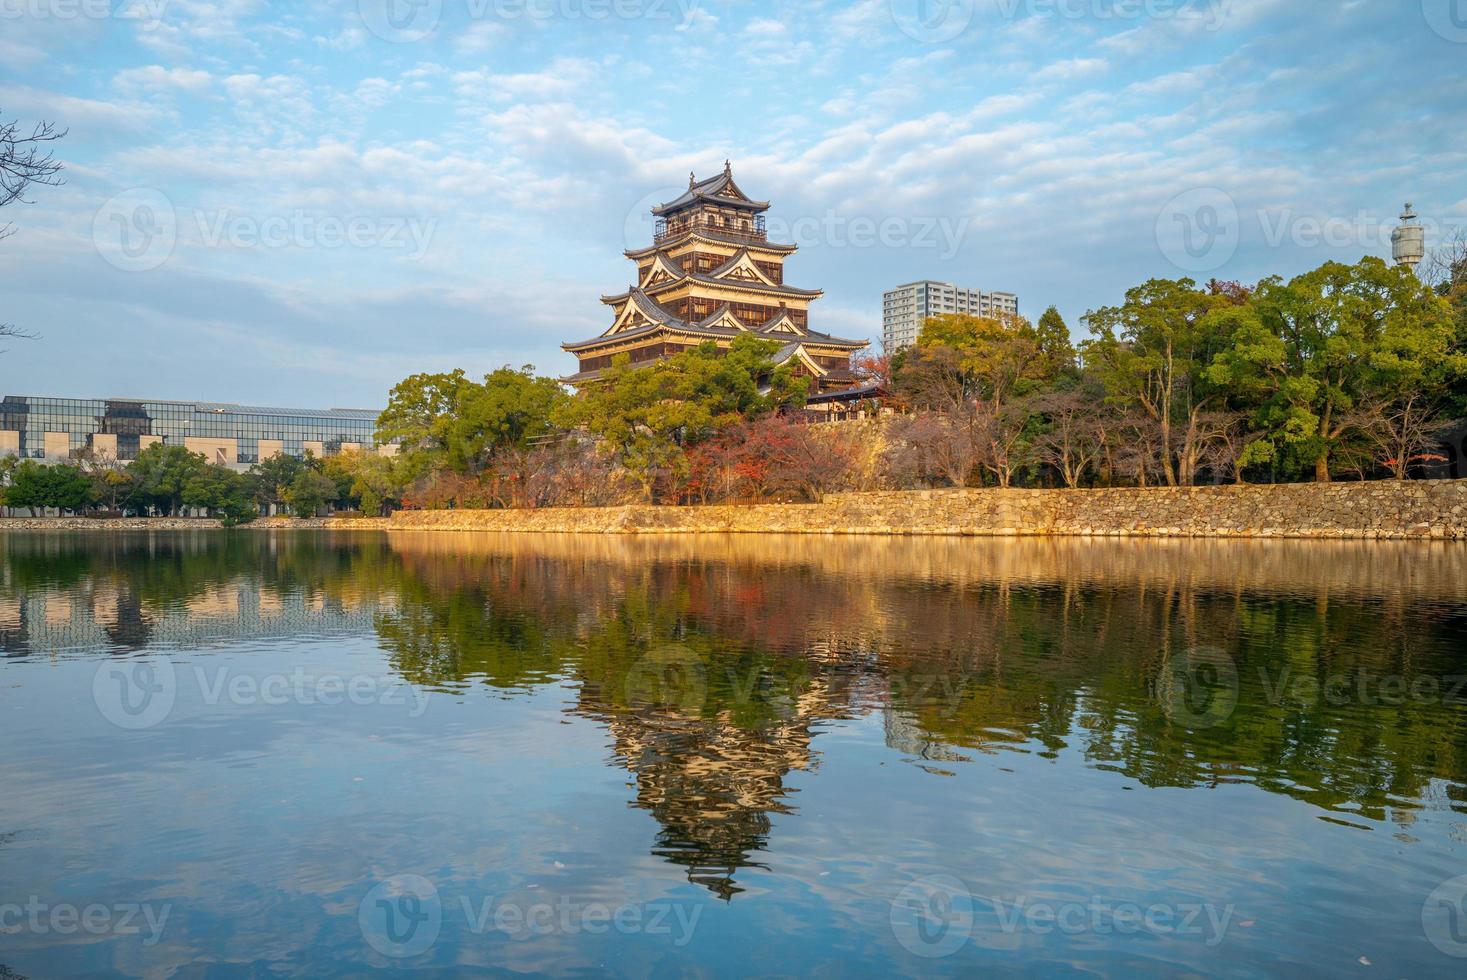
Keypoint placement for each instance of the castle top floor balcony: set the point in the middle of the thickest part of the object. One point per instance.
(747, 229)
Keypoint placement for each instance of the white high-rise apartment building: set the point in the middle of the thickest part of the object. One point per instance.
(905, 308)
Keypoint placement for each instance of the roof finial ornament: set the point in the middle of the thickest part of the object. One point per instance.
(691, 180)
(727, 169)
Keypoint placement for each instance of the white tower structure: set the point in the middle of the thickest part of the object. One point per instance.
(1408, 240)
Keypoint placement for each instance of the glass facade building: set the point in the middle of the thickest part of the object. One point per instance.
(40, 428)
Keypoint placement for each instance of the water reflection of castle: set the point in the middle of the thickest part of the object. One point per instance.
(964, 647)
(1043, 643)
(713, 784)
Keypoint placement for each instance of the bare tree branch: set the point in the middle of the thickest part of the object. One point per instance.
(25, 160)
(1446, 266)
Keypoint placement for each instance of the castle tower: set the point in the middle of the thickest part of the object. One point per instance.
(711, 274)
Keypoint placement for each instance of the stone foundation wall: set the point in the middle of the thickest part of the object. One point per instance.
(1384, 509)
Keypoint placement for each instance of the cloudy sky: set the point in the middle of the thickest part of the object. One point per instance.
(299, 203)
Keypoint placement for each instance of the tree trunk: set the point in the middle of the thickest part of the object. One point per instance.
(1167, 470)
(1321, 462)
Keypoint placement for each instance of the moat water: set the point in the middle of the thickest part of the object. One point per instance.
(252, 754)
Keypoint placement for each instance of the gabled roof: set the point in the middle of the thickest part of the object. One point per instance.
(635, 309)
(723, 319)
(661, 264)
(741, 262)
(771, 328)
(715, 190)
(797, 352)
(655, 311)
(782, 323)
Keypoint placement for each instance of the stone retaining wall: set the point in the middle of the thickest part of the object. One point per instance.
(1384, 509)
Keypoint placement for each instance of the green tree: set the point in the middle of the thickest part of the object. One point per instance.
(341, 470)
(376, 484)
(223, 493)
(309, 492)
(112, 485)
(995, 358)
(67, 487)
(1152, 353)
(35, 485)
(1324, 353)
(646, 416)
(161, 472)
(508, 410)
(446, 422)
(270, 478)
(1056, 349)
(422, 413)
(27, 487)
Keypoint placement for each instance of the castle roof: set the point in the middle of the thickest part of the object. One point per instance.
(714, 190)
(754, 280)
(710, 235)
(714, 326)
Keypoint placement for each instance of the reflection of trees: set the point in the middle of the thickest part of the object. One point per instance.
(709, 743)
(1079, 666)
(969, 645)
(966, 646)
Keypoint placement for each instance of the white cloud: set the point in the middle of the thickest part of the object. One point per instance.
(1070, 69)
(481, 36)
(95, 116)
(1056, 148)
(156, 78)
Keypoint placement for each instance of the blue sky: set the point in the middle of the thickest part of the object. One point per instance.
(300, 203)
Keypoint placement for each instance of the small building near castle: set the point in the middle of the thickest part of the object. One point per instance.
(711, 274)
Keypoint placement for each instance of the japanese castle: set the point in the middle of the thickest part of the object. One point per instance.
(712, 274)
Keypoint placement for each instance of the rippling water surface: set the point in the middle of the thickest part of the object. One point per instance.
(274, 754)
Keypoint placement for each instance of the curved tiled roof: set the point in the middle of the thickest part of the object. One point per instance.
(712, 236)
(713, 190)
(757, 287)
(707, 280)
(661, 318)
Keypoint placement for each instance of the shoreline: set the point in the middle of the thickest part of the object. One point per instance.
(1383, 510)
(191, 524)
